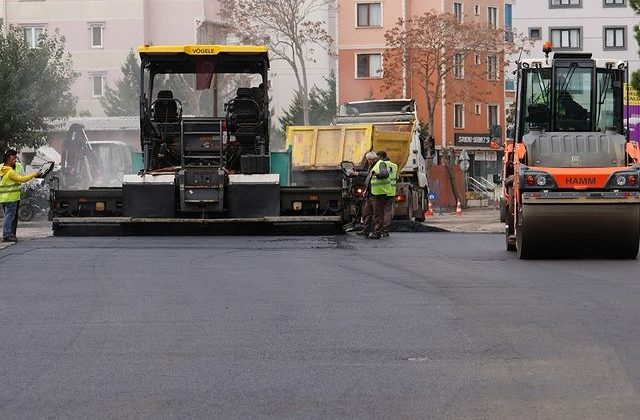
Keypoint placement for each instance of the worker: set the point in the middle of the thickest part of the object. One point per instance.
(380, 182)
(367, 204)
(391, 192)
(568, 107)
(10, 194)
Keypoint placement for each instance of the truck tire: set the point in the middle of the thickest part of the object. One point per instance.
(422, 208)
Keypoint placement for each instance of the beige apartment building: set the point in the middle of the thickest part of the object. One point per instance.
(100, 33)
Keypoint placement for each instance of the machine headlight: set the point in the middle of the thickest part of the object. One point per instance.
(621, 180)
(541, 180)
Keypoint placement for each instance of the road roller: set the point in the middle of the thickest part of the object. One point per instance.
(571, 174)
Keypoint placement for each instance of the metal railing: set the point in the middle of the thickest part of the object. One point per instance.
(482, 187)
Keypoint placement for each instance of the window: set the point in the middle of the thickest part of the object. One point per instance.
(510, 85)
(476, 10)
(565, 3)
(478, 109)
(614, 3)
(615, 38)
(457, 11)
(492, 67)
(97, 84)
(508, 22)
(458, 116)
(458, 66)
(368, 66)
(32, 35)
(492, 115)
(369, 14)
(492, 16)
(566, 38)
(478, 61)
(96, 35)
(535, 34)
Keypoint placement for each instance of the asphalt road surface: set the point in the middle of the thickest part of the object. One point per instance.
(420, 326)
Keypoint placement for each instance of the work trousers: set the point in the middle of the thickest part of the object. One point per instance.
(388, 205)
(367, 214)
(379, 203)
(10, 214)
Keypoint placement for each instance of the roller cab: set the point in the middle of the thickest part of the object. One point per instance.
(573, 177)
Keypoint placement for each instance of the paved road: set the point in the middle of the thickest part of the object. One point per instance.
(422, 326)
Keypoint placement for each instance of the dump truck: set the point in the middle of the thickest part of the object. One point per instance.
(390, 125)
(204, 135)
(571, 176)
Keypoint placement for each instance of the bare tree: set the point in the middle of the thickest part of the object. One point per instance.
(287, 27)
(433, 48)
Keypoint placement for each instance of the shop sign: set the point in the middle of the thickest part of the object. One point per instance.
(472, 140)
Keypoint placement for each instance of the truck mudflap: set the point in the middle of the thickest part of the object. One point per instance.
(132, 226)
(578, 224)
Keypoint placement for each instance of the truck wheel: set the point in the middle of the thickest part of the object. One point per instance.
(509, 223)
(423, 206)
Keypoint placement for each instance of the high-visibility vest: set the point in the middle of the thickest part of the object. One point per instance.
(9, 189)
(393, 177)
(381, 186)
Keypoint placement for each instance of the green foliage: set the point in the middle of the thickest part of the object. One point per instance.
(322, 106)
(123, 100)
(35, 86)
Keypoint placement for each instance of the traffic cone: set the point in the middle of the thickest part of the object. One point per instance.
(429, 211)
(458, 209)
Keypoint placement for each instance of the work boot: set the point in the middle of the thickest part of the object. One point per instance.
(10, 239)
(385, 235)
(363, 234)
(374, 236)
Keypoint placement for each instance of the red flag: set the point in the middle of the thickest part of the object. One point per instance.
(204, 75)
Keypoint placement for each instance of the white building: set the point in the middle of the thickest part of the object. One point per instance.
(601, 27)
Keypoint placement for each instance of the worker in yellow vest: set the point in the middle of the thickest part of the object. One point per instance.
(391, 191)
(380, 190)
(10, 193)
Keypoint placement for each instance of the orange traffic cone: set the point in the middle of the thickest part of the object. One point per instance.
(458, 209)
(429, 211)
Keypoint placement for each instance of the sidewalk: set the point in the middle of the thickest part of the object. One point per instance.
(31, 230)
(472, 220)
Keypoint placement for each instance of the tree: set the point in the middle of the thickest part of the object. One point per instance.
(35, 86)
(287, 28)
(322, 106)
(123, 100)
(635, 77)
(430, 47)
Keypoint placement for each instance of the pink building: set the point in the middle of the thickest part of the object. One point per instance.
(99, 34)
(361, 43)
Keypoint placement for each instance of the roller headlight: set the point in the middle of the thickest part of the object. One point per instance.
(541, 180)
(621, 180)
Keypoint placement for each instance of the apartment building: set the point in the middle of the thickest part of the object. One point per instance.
(461, 123)
(100, 33)
(604, 28)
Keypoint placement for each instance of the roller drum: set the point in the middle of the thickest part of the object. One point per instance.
(582, 230)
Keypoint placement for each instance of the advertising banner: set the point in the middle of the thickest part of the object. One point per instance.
(632, 112)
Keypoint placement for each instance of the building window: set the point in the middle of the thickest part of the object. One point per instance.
(492, 67)
(368, 66)
(458, 116)
(97, 84)
(457, 11)
(614, 3)
(458, 66)
(508, 22)
(492, 115)
(566, 38)
(97, 31)
(565, 3)
(535, 34)
(369, 14)
(32, 35)
(478, 61)
(615, 38)
(510, 85)
(492, 16)
(476, 10)
(478, 109)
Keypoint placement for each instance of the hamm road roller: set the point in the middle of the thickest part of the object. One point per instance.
(571, 179)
